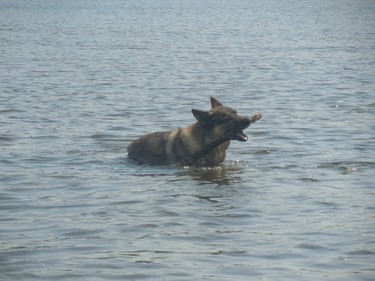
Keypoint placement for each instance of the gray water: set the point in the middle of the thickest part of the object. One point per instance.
(81, 79)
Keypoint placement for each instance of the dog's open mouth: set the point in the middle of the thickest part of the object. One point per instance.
(240, 136)
(237, 134)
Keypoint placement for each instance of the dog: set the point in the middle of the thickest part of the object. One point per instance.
(172, 147)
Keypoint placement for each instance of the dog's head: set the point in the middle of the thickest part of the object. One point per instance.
(221, 120)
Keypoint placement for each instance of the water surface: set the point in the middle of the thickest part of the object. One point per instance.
(81, 79)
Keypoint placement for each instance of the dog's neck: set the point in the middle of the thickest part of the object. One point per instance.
(204, 149)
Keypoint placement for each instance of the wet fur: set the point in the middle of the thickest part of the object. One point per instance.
(166, 148)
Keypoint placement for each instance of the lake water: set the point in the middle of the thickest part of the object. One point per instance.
(81, 79)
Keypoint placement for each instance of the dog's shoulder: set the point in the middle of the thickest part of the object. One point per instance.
(176, 148)
(149, 148)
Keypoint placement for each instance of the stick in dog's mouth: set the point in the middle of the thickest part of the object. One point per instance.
(255, 118)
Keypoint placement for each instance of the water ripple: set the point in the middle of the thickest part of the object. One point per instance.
(294, 202)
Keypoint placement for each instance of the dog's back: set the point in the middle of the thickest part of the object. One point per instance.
(166, 148)
(160, 148)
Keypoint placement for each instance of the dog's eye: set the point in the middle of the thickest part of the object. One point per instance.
(220, 118)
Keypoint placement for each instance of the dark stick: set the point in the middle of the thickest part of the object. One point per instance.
(199, 154)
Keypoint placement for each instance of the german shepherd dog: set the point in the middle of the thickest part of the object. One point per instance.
(167, 148)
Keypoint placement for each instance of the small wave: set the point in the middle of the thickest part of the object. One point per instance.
(361, 253)
(306, 179)
(309, 246)
(347, 168)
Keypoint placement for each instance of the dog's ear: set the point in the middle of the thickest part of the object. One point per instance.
(203, 117)
(215, 103)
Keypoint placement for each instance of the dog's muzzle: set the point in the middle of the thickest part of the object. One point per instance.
(245, 122)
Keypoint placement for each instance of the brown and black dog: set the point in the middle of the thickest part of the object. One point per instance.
(166, 148)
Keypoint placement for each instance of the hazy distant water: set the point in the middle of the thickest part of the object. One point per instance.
(81, 79)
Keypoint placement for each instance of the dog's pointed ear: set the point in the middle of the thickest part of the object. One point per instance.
(215, 103)
(203, 117)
